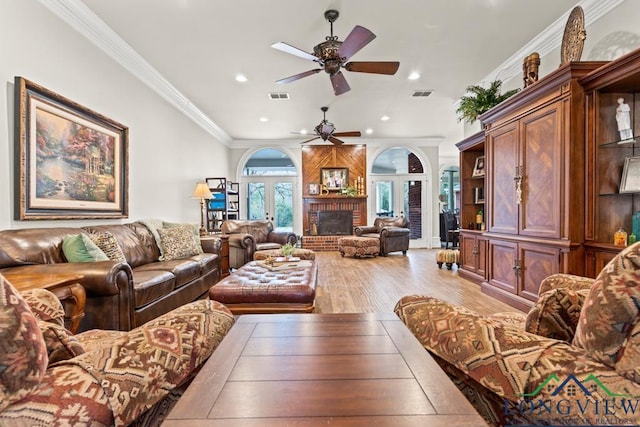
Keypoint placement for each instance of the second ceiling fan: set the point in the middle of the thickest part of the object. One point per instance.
(326, 131)
(333, 55)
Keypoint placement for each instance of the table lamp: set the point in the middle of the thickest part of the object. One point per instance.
(202, 192)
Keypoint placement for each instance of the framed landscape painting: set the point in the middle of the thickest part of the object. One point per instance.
(71, 162)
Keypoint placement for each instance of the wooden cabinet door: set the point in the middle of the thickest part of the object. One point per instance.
(536, 263)
(468, 252)
(502, 259)
(541, 159)
(502, 161)
(481, 256)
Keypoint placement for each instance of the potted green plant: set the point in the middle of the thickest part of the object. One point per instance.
(287, 250)
(480, 100)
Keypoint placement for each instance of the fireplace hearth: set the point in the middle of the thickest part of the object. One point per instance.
(335, 223)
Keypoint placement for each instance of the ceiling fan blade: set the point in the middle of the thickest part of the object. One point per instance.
(339, 83)
(389, 68)
(293, 51)
(298, 76)
(358, 38)
(335, 140)
(352, 133)
(309, 140)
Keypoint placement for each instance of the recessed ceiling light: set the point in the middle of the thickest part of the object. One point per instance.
(385, 118)
(264, 119)
(303, 131)
(368, 131)
(414, 76)
(241, 78)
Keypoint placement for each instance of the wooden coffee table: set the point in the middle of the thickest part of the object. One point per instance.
(321, 369)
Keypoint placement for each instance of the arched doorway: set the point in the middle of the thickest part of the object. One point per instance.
(269, 179)
(399, 189)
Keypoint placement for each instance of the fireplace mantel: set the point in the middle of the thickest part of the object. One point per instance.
(327, 202)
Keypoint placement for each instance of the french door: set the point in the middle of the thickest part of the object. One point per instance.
(401, 195)
(271, 198)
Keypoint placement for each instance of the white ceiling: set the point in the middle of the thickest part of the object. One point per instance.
(199, 46)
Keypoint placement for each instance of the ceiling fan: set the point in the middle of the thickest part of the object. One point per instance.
(332, 55)
(326, 131)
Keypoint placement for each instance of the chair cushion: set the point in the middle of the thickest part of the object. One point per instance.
(80, 248)
(611, 309)
(177, 243)
(23, 358)
(107, 242)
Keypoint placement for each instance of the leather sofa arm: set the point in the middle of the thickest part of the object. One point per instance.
(241, 240)
(282, 237)
(211, 245)
(365, 229)
(101, 278)
(394, 231)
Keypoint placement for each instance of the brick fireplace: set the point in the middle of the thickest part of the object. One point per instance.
(331, 202)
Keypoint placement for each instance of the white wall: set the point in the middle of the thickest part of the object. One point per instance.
(609, 37)
(168, 153)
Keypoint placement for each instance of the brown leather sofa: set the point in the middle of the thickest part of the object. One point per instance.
(120, 295)
(246, 237)
(393, 233)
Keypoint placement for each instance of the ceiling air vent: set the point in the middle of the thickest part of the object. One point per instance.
(276, 95)
(421, 93)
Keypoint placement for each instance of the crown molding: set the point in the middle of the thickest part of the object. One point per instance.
(81, 18)
(550, 38)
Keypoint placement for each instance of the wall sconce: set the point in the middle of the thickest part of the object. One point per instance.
(202, 192)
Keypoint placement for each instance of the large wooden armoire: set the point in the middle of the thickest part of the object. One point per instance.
(535, 173)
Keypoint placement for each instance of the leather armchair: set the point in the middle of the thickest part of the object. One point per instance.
(246, 237)
(393, 234)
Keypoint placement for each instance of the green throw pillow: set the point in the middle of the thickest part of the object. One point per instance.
(80, 248)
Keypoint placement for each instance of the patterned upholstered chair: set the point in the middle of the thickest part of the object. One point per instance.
(98, 377)
(574, 359)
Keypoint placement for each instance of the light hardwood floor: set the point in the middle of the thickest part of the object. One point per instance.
(366, 285)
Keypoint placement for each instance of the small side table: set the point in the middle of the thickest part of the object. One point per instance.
(64, 286)
(224, 252)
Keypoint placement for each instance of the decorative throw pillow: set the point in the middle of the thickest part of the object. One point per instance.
(611, 309)
(154, 225)
(23, 359)
(80, 248)
(177, 243)
(195, 229)
(109, 245)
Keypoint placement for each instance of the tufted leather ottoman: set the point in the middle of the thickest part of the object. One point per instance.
(253, 288)
(359, 246)
(307, 254)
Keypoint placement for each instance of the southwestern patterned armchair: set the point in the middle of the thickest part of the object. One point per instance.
(99, 377)
(574, 359)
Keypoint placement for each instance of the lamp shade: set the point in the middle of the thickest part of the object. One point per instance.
(202, 191)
